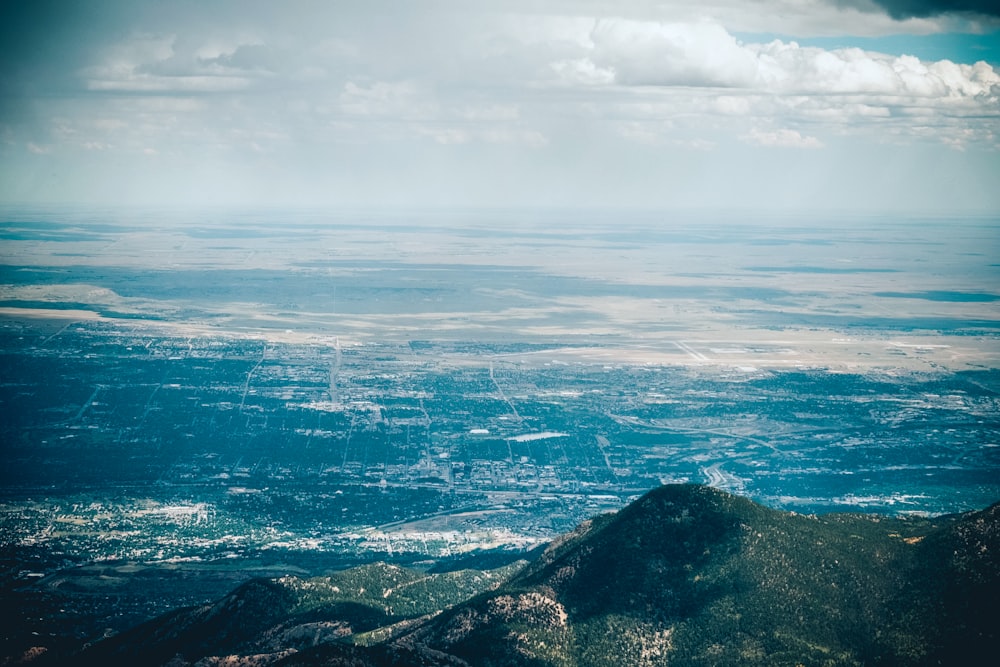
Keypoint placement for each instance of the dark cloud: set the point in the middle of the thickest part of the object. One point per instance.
(904, 9)
(52, 37)
(44, 42)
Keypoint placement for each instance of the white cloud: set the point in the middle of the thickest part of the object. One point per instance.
(845, 90)
(175, 84)
(788, 67)
(706, 55)
(582, 72)
(502, 64)
(552, 91)
(165, 63)
(407, 108)
(671, 54)
(490, 112)
(397, 99)
(450, 135)
(781, 138)
(733, 105)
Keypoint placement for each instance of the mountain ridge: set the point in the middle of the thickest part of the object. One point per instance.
(685, 575)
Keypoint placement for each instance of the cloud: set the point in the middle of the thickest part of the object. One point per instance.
(680, 70)
(314, 92)
(671, 54)
(395, 99)
(175, 84)
(803, 18)
(903, 9)
(782, 138)
(250, 57)
(582, 72)
(152, 63)
(633, 53)
(788, 67)
(405, 108)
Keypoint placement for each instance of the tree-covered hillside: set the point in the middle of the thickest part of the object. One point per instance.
(686, 575)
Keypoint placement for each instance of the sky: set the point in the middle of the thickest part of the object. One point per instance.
(882, 106)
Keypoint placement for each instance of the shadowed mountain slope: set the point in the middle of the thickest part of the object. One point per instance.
(694, 576)
(266, 619)
(686, 575)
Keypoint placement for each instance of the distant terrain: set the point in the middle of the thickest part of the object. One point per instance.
(193, 402)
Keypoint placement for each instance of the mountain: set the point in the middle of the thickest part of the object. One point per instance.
(686, 575)
(267, 619)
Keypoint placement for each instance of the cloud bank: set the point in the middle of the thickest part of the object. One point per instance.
(326, 102)
(903, 9)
